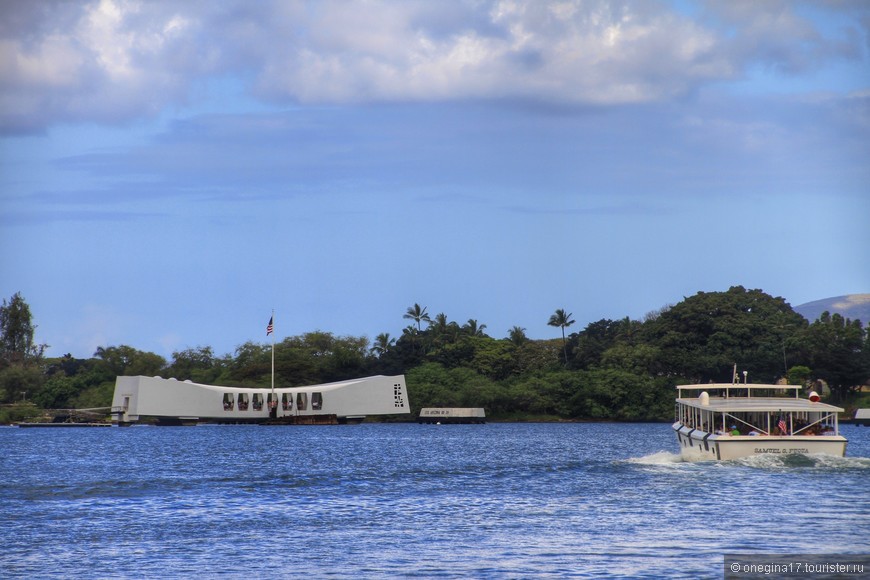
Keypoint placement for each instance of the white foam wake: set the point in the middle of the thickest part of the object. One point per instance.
(812, 461)
(658, 458)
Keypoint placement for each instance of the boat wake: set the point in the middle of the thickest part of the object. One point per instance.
(658, 458)
(819, 461)
(813, 461)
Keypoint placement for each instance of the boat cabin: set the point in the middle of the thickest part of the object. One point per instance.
(754, 410)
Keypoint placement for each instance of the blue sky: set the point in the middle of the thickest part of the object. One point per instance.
(171, 172)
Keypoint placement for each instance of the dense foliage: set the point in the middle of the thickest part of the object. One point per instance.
(612, 369)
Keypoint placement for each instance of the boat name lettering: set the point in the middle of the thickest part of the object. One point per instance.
(784, 451)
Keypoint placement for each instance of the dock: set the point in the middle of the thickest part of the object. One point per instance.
(46, 425)
(451, 415)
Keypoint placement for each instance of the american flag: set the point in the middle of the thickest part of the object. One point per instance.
(783, 428)
(269, 327)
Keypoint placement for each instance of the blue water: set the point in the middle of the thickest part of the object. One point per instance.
(378, 500)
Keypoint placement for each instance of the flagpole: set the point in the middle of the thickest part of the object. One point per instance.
(273, 357)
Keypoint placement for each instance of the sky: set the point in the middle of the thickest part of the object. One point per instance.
(172, 172)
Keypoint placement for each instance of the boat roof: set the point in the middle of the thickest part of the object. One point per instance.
(762, 404)
(741, 386)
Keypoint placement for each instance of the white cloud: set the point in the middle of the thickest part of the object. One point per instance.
(115, 60)
(564, 52)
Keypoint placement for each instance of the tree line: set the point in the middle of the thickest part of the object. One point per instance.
(620, 369)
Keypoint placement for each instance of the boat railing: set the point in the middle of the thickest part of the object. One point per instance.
(718, 422)
(739, 420)
(739, 389)
(823, 420)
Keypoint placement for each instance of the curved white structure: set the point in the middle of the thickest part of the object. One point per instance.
(172, 402)
(728, 421)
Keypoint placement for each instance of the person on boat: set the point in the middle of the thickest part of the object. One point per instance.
(735, 430)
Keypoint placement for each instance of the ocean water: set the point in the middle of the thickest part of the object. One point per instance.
(385, 500)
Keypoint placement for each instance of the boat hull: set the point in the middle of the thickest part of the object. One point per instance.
(697, 445)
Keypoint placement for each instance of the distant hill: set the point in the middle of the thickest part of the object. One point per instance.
(852, 306)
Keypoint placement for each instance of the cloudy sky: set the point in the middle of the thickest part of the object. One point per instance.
(170, 172)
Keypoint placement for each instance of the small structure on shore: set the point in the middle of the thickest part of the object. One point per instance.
(431, 415)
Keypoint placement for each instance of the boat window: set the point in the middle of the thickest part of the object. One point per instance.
(243, 401)
(287, 401)
(316, 401)
(228, 401)
(302, 401)
(258, 401)
(272, 401)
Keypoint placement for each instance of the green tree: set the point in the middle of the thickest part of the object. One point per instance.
(622, 395)
(442, 332)
(418, 314)
(58, 392)
(562, 319)
(20, 383)
(125, 360)
(430, 385)
(517, 335)
(197, 364)
(382, 345)
(472, 328)
(348, 359)
(536, 356)
(16, 332)
(543, 394)
(799, 375)
(493, 359)
(590, 344)
(249, 364)
(702, 337)
(317, 357)
(641, 359)
(835, 350)
(439, 324)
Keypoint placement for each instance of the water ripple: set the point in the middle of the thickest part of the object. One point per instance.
(492, 501)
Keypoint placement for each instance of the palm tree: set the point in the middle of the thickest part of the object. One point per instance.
(517, 335)
(382, 344)
(562, 319)
(439, 324)
(418, 314)
(474, 329)
(410, 336)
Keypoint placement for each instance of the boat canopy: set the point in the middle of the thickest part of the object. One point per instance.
(759, 404)
(740, 398)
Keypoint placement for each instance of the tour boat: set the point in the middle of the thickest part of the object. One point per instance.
(729, 421)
